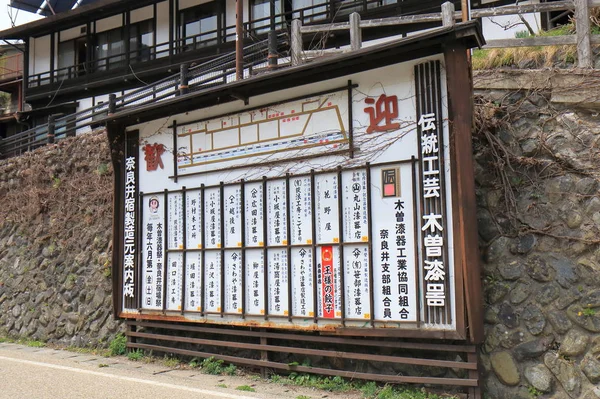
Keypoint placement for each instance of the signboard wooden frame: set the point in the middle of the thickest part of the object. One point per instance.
(444, 96)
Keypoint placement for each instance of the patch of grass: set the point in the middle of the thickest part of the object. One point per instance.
(588, 312)
(222, 386)
(534, 56)
(369, 389)
(230, 370)
(171, 362)
(102, 169)
(135, 355)
(34, 344)
(246, 388)
(102, 365)
(89, 351)
(302, 397)
(533, 392)
(335, 384)
(194, 363)
(216, 367)
(118, 346)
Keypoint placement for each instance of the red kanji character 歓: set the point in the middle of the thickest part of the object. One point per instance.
(152, 156)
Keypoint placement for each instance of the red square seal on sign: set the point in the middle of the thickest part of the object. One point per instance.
(390, 182)
(389, 190)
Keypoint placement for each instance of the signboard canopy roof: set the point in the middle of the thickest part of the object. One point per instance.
(406, 49)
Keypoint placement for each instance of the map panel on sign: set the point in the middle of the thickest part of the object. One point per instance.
(285, 131)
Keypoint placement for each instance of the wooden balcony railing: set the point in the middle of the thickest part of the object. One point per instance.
(11, 66)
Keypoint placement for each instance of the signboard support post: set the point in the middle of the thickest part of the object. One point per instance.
(460, 108)
(165, 250)
(288, 247)
(184, 243)
(342, 270)
(203, 246)
(265, 250)
(314, 246)
(370, 227)
(413, 167)
(243, 247)
(140, 237)
(222, 240)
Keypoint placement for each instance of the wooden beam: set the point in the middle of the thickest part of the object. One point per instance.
(582, 24)
(533, 41)
(522, 9)
(460, 109)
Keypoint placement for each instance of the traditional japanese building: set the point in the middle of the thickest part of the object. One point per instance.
(84, 50)
(11, 89)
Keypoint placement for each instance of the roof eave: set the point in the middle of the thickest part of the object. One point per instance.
(68, 19)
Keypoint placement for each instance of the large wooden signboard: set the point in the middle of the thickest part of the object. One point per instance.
(323, 207)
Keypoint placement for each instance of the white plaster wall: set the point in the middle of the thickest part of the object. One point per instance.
(141, 14)
(191, 3)
(162, 27)
(32, 54)
(83, 103)
(109, 23)
(41, 54)
(72, 33)
(55, 51)
(230, 16)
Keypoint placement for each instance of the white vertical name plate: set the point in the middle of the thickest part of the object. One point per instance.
(212, 218)
(276, 212)
(254, 215)
(193, 281)
(301, 211)
(278, 282)
(212, 269)
(327, 209)
(302, 282)
(255, 282)
(193, 208)
(394, 276)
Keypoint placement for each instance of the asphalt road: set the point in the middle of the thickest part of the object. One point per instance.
(42, 373)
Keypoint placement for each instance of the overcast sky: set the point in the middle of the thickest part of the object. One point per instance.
(22, 17)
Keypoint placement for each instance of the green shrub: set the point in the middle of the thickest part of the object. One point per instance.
(118, 346)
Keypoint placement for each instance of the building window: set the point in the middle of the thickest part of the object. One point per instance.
(198, 26)
(72, 57)
(310, 10)
(141, 41)
(265, 13)
(109, 50)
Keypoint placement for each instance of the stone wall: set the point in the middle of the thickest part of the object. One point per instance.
(55, 232)
(537, 169)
